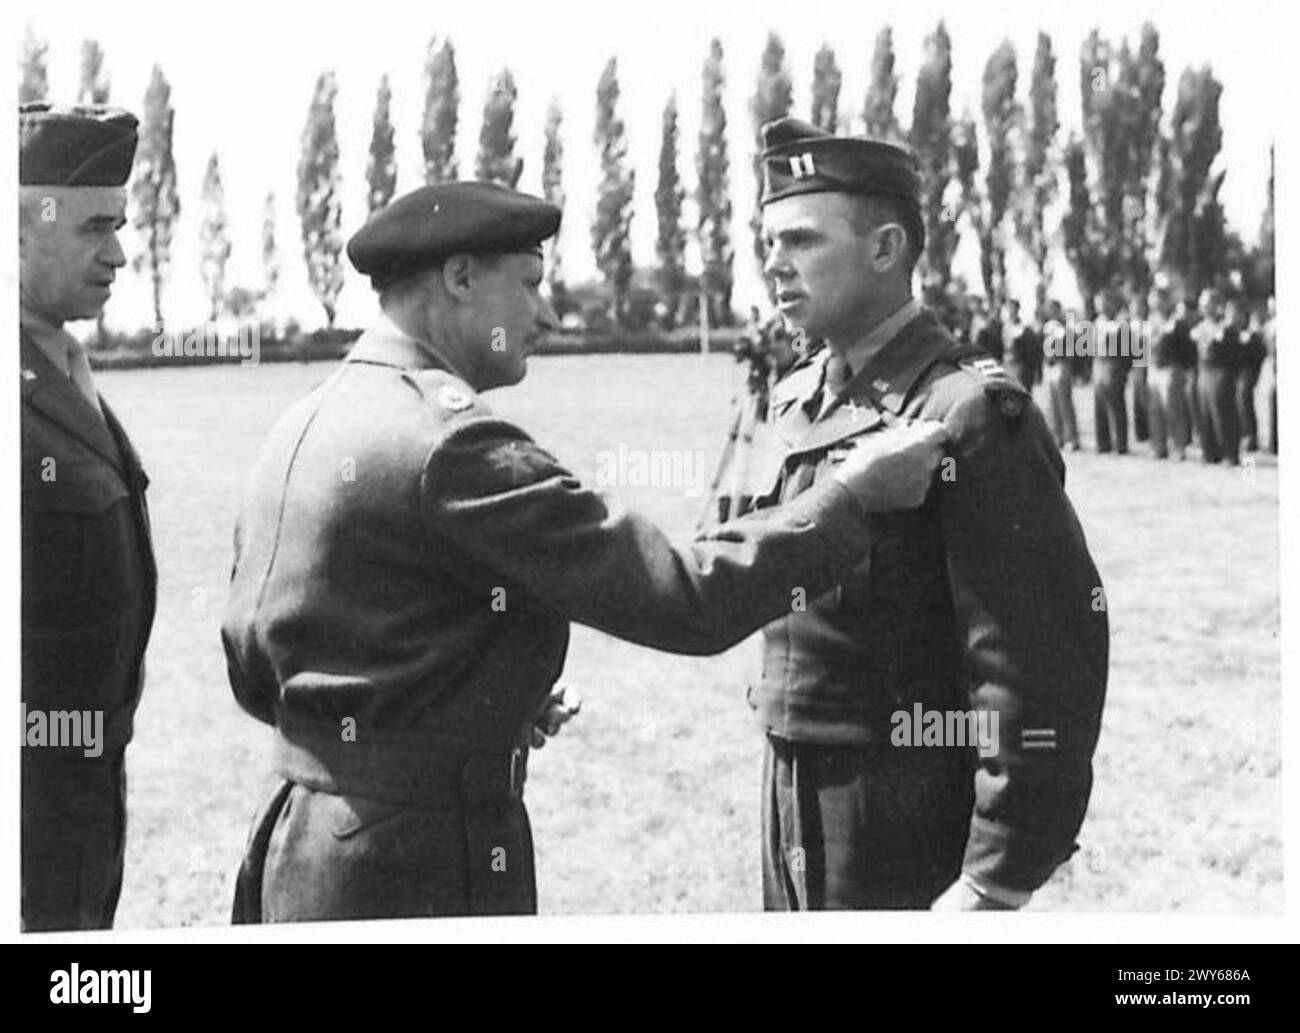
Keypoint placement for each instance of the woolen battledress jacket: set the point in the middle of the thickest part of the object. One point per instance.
(411, 562)
(984, 598)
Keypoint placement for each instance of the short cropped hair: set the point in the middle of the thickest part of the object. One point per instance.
(873, 210)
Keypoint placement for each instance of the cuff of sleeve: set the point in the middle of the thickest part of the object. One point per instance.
(1013, 859)
(838, 516)
(999, 894)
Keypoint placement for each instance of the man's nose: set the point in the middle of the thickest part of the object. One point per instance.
(112, 253)
(774, 263)
(546, 317)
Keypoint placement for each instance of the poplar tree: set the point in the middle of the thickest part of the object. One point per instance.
(611, 227)
(441, 107)
(381, 166)
(670, 243)
(713, 201)
(496, 142)
(319, 204)
(154, 196)
(214, 237)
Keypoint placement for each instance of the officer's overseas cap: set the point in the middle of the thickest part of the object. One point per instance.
(799, 158)
(423, 228)
(88, 145)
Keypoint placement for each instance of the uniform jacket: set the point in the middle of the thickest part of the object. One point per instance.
(1173, 346)
(88, 576)
(406, 559)
(1218, 346)
(984, 598)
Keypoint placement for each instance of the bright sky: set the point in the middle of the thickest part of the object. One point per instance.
(242, 76)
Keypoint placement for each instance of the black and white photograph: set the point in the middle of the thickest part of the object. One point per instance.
(665, 466)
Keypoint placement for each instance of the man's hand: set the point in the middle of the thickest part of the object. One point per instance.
(555, 712)
(893, 469)
(961, 896)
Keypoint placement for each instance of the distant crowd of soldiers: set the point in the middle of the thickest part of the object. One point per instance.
(1194, 367)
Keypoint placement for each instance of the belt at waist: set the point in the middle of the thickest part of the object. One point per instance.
(433, 773)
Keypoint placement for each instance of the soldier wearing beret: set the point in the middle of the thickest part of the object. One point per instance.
(88, 577)
(407, 565)
(984, 599)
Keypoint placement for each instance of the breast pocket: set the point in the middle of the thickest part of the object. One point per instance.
(71, 515)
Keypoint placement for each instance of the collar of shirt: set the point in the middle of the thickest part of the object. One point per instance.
(52, 340)
(859, 354)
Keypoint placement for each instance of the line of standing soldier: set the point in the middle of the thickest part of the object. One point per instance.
(1194, 377)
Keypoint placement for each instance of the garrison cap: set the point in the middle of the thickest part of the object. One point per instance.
(88, 145)
(799, 158)
(421, 229)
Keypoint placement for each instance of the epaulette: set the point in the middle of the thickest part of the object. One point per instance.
(447, 390)
(1007, 394)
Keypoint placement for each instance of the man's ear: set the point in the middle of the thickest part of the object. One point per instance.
(891, 240)
(458, 276)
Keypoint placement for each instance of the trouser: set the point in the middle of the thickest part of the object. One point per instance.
(315, 855)
(862, 828)
(1194, 401)
(1247, 380)
(1060, 404)
(1167, 403)
(1220, 431)
(73, 838)
(1141, 404)
(1108, 406)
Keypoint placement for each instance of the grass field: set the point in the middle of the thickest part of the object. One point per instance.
(648, 802)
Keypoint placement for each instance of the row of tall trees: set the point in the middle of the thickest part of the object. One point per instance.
(1138, 186)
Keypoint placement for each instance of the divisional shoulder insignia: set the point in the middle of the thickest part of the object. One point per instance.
(1009, 402)
(28, 374)
(453, 399)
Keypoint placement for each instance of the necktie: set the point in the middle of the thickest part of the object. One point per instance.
(838, 375)
(79, 374)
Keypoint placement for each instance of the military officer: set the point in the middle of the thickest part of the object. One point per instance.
(984, 601)
(407, 565)
(88, 577)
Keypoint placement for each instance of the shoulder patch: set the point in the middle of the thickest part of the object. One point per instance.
(1006, 394)
(1009, 401)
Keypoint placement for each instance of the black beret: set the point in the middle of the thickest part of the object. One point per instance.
(421, 229)
(84, 146)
